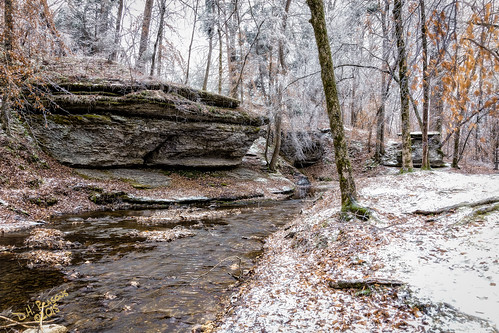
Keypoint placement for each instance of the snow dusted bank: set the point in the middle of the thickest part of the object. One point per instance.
(447, 262)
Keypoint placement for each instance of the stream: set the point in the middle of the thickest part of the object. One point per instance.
(120, 283)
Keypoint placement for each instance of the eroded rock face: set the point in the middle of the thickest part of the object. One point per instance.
(146, 127)
(393, 154)
(303, 148)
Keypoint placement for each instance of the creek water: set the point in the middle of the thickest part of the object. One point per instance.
(118, 283)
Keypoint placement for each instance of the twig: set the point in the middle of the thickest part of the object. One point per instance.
(15, 322)
(41, 315)
(218, 264)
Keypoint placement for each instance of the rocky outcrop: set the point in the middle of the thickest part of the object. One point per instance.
(116, 124)
(303, 149)
(393, 154)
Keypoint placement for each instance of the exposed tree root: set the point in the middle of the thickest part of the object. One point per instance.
(360, 284)
(361, 212)
(452, 208)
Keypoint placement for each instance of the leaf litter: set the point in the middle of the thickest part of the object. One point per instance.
(448, 263)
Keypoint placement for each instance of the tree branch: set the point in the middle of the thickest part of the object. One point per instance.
(488, 25)
(460, 205)
(360, 284)
(494, 53)
(461, 124)
(362, 66)
(246, 56)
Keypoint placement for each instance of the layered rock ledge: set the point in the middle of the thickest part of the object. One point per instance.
(119, 124)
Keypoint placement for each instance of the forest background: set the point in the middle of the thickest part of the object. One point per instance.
(444, 54)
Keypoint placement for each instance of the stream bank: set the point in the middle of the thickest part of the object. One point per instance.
(34, 187)
(447, 263)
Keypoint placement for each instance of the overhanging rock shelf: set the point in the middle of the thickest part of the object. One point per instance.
(118, 124)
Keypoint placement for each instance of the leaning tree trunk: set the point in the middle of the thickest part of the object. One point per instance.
(208, 61)
(347, 184)
(404, 88)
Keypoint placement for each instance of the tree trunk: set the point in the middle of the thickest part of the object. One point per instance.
(344, 168)
(5, 119)
(231, 48)
(380, 115)
(159, 58)
(404, 88)
(455, 154)
(208, 62)
(192, 41)
(105, 7)
(210, 8)
(8, 45)
(144, 36)
(159, 36)
(437, 106)
(278, 139)
(353, 115)
(426, 88)
(220, 50)
(282, 55)
(220, 60)
(117, 31)
(8, 30)
(380, 129)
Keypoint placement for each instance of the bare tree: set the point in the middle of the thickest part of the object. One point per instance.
(425, 164)
(117, 32)
(404, 88)
(385, 86)
(144, 35)
(159, 37)
(195, 9)
(210, 30)
(8, 45)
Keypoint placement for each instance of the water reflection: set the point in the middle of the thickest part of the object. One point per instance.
(121, 283)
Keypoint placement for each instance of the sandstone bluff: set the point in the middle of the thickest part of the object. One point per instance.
(104, 123)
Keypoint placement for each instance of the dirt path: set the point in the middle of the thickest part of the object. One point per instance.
(448, 263)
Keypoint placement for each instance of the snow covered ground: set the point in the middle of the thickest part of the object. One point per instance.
(448, 262)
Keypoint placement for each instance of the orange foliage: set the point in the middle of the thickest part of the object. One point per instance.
(469, 86)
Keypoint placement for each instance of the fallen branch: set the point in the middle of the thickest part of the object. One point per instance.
(360, 284)
(218, 264)
(27, 324)
(447, 209)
